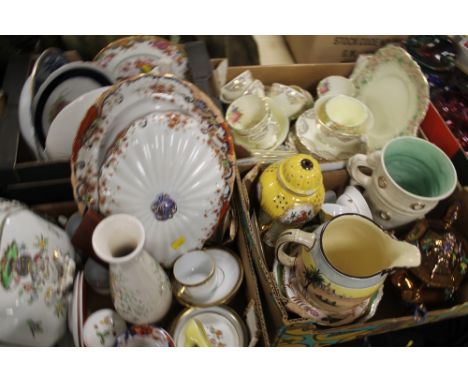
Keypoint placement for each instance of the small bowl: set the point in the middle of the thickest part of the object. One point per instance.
(144, 336)
(353, 199)
(329, 210)
(103, 327)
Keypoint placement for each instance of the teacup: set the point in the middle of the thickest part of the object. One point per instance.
(236, 87)
(248, 115)
(409, 177)
(335, 85)
(255, 88)
(291, 101)
(343, 115)
(195, 271)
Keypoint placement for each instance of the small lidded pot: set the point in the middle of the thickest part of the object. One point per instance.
(291, 191)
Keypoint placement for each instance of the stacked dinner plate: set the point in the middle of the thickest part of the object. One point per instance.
(58, 92)
(156, 147)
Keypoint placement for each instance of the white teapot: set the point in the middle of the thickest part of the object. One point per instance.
(36, 272)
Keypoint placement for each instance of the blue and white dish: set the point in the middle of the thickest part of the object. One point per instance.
(62, 87)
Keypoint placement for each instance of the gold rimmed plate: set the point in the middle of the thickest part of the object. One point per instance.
(223, 326)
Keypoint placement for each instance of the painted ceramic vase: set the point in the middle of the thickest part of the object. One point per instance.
(36, 272)
(291, 191)
(140, 289)
(444, 260)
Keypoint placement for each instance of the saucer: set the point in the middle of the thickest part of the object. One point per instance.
(299, 304)
(332, 148)
(229, 275)
(278, 130)
(223, 326)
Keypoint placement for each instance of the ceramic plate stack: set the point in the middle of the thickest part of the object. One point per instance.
(157, 148)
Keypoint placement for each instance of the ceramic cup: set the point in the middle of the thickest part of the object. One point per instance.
(255, 88)
(335, 85)
(409, 177)
(103, 327)
(342, 114)
(236, 87)
(195, 271)
(291, 101)
(248, 115)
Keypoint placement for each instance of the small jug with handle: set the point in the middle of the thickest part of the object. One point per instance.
(347, 257)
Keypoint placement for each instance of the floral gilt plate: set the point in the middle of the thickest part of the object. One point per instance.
(167, 172)
(128, 101)
(222, 325)
(392, 85)
(130, 56)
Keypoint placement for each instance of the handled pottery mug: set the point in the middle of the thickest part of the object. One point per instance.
(348, 257)
(409, 177)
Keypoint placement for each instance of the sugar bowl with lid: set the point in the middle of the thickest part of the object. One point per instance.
(291, 191)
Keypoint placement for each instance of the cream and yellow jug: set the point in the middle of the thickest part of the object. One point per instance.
(346, 258)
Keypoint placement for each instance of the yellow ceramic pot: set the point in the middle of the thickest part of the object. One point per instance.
(291, 191)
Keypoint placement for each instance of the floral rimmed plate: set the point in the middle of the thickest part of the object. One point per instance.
(144, 336)
(392, 85)
(130, 56)
(298, 303)
(166, 171)
(132, 99)
(222, 325)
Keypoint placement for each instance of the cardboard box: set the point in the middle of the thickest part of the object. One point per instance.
(285, 328)
(247, 301)
(314, 49)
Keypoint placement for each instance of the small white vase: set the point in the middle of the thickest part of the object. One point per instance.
(140, 288)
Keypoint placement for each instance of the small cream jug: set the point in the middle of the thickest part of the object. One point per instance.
(348, 257)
